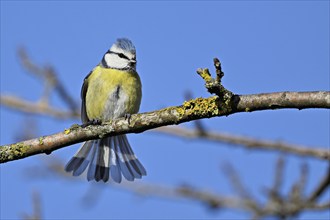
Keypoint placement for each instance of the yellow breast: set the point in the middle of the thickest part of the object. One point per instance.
(112, 93)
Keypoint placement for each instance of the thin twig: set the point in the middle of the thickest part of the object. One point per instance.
(218, 70)
(274, 194)
(50, 79)
(249, 142)
(235, 181)
(42, 108)
(37, 209)
(323, 185)
(279, 173)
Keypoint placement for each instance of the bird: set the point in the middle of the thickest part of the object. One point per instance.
(111, 90)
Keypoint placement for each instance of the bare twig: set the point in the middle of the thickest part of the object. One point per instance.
(235, 181)
(218, 70)
(297, 190)
(49, 77)
(249, 201)
(249, 142)
(323, 185)
(278, 180)
(275, 199)
(36, 108)
(37, 212)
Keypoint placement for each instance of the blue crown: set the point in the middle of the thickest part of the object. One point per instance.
(125, 44)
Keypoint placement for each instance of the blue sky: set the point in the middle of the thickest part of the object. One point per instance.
(264, 46)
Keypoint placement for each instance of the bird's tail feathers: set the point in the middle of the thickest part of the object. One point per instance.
(112, 155)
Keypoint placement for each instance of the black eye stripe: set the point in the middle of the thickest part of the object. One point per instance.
(121, 55)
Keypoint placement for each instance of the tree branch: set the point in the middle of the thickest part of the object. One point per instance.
(247, 142)
(280, 206)
(323, 185)
(50, 79)
(42, 108)
(190, 110)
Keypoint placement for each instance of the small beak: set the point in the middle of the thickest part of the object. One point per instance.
(132, 63)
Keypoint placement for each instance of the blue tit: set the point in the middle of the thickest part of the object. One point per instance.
(111, 90)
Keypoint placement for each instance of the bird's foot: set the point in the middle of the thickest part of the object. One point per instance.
(92, 122)
(128, 118)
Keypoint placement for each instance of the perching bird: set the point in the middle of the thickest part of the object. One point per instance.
(111, 90)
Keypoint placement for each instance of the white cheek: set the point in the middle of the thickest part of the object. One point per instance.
(113, 61)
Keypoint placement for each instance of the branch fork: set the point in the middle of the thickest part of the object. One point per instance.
(213, 85)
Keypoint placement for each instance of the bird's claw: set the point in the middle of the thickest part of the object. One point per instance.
(128, 118)
(92, 122)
